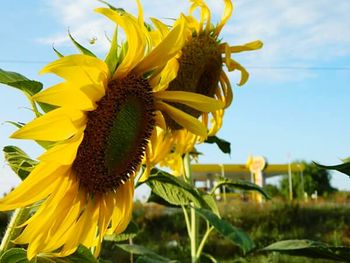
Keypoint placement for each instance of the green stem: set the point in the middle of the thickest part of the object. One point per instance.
(188, 224)
(19, 216)
(204, 240)
(193, 233)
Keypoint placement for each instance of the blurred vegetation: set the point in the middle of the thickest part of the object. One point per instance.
(163, 230)
(312, 179)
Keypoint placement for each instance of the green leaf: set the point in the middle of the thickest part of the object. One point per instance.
(16, 80)
(19, 255)
(120, 10)
(148, 259)
(236, 235)
(146, 253)
(112, 56)
(16, 124)
(82, 49)
(59, 54)
(19, 161)
(241, 185)
(310, 248)
(343, 168)
(174, 190)
(82, 254)
(223, 145)
(47, 107)
(130, 232)
(158, 200)
(14, 255)
(211, 203)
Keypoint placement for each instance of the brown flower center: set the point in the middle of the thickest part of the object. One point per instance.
(116, 135)
(199, 72)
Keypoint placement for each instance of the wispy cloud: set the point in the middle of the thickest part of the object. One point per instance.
(294, 32)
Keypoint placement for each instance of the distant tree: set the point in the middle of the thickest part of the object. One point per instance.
(312, 179)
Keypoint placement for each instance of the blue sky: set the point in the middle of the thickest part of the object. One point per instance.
(296, 102)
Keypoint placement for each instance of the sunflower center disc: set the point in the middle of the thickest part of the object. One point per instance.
(116, 135)
(199, 72)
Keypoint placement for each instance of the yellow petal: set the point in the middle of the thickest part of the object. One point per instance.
(227, 89)
(185, 120)
(233, 65)
(81, 70)
(167, 49)
(247, 47)
(168, 74)
(63, 153)
(160, 121)
(136, 39)
(162, 28)
(193, 100)
(204, 12)
(227, 14)
(38, 185)
(65, 94)
(57, 125)
(126, 204)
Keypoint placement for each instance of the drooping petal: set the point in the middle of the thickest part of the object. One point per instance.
(204, 13)
(226, 88)
(193, 100)
(66, 94)
(184, 119)
(245, 47)
(227, 14)
(57, 125)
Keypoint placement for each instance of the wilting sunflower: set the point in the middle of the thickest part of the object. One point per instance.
(83, 186)
(200, 64)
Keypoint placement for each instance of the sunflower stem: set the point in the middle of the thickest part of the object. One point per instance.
(19, 216)
(193, 234)
(204, 240)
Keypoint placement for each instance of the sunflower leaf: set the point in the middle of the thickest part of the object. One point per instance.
(174, 190)
(343, 168)
(112, 56)
(14, 255)
(146, 254)
(16, 124)
(82, 49)
(59, 54)
(310, 249)
(18, 81)
(241, 185)
(82, 254)
(47, 107)
(19, 161)
(119, 10)
(236, 235)
(223, 145)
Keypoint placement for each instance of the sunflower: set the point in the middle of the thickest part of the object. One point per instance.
(200, 65)
(83, 186)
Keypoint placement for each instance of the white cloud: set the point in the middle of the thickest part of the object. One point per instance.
(294, 32)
